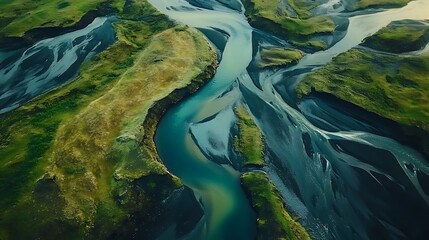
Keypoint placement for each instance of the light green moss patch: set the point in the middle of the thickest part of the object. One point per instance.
(399, 37)
(22, 15)
(317, 45)
(273, 16)
(363, 4)
(303, 7)
(277, 57)
(392, 86)
(112, 123)
(274, 222)
(93, 137)
(249, 142)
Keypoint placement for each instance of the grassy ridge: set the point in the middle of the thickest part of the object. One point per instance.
(112, 123)
(392, 86)
(86, 136)
(249, 142)
(274, 222)
(19, 16)
(41, 117)
(273, 16)
(399, 37)
(303, 8)
(278, 57)
(363, 4)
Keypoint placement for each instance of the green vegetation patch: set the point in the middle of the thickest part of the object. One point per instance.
(400, 36)
(273, 15)
(81, 145)
(311, 44)
(354, 5)
(110, 127)
(23, 15)
(278, 57)
(303, 7)
(394, 87)
(249, 142)
(274, 222)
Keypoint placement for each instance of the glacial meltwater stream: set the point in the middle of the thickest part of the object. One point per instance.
(344, 181)
(337, 171)
(228, 213)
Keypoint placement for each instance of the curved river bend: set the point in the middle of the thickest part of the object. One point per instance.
(227, 212)
(345, 182)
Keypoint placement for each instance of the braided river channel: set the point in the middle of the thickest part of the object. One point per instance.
(337, 167)
(344, 172)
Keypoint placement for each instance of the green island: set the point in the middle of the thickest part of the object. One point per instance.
(295, 21)
(292, 20)
(273, 221)
(392, 86)
(80, 161)
(353, 5)
(279, 57)
(249, 142)
(400, 36)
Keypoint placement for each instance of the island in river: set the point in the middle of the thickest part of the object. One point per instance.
(273, 221)
(386, 75)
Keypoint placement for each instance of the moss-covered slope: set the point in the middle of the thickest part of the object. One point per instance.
(279, 57)
(249, 142)
(291, 20)
(80, 162)
(109, 128)
(395, 87)
(19, 16)
(273, 221)
(353, 5)
(400, 36)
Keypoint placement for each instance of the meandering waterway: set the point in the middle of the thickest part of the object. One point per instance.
(346, 181)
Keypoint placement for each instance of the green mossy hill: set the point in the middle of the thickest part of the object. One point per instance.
(19, 16)
(249, 142)
(80, 162)
(353, 5)
(393, 87)
(274, 222)
(400, 36)
(291, 20)
(110, 127)
(279, 57)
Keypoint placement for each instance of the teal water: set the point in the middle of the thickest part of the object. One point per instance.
(337, 173)
(228, 214)
(341, 183)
